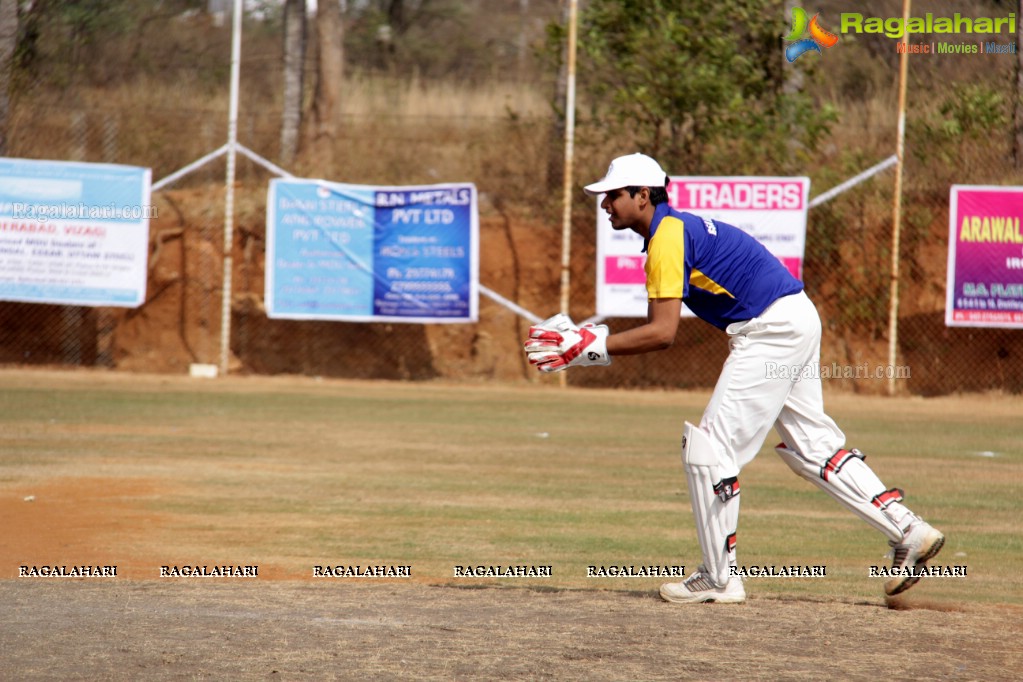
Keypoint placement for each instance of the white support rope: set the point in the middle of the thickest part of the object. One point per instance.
(853, 181)
(270, 166)
(514, 307)
(213, 156)
(194, 166)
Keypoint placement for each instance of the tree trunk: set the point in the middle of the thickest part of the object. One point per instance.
(8, 41)
(322, 132)
(556, 148)
(294, 63)
(396, 16)
(218, 10)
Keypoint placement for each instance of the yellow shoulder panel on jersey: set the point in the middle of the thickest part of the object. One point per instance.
(665, 264)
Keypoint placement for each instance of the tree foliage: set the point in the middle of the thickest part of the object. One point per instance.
(97, 42)
(696, 85)
(959, 133)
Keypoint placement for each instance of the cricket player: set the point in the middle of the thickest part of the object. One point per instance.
(729, 279)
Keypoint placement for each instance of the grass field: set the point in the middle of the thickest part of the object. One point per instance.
(288, 474)
(141, 472)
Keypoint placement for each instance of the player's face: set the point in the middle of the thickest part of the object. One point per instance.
(622, 209)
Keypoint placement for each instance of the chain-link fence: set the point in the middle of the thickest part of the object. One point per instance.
(480, 111)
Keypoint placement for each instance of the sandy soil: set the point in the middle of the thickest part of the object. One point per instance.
(284, 630)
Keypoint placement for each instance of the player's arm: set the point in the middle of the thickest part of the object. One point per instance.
(657, 334)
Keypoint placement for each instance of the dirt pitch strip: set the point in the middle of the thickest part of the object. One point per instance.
(291, 630)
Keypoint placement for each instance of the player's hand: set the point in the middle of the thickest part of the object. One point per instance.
(557, 343)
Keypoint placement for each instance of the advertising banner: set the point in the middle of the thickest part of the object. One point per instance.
(74, 233)
(771, 209)
(363, 253)
(984, 287)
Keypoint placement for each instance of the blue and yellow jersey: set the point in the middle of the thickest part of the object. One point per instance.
(721, 273)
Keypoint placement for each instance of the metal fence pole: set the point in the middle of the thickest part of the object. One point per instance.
(566, 224)
(893, 301)
(232, 143)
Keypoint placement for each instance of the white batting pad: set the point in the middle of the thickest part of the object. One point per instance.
(847, 478)
(714, 495)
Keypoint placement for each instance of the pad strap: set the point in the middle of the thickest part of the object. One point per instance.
(839, 460)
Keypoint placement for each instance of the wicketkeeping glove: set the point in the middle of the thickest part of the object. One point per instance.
(557, 343)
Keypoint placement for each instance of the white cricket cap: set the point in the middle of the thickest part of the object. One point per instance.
(633, 170)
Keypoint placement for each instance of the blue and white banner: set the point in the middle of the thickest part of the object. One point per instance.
(372, 254)
(74, 233)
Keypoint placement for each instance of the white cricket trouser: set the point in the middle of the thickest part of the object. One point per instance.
(755, 390)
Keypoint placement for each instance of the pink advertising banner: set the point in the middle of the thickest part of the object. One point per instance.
(985, 257)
